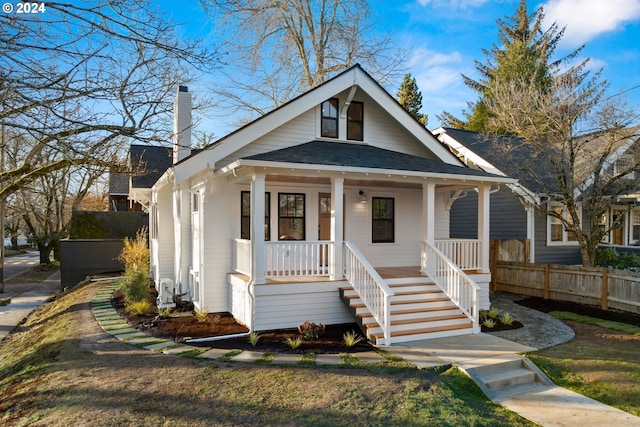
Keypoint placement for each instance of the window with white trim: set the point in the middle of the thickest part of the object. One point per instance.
(635, 226)
(557, 234)
(329, 116)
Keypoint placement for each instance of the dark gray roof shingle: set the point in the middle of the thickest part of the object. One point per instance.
(148, 163)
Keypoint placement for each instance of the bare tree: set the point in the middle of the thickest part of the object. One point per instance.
(279, 49)
(570, 135)
(76, 78)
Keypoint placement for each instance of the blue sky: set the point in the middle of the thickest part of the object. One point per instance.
(444, 37)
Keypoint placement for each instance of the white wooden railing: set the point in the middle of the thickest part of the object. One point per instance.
(242, 256)
(298, 258)
(463, 291)
(465, 253)
(372, 289)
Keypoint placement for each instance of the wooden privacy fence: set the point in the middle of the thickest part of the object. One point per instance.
(604, 287)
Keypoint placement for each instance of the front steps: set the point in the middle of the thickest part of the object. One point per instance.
(419, 310)
(508, 376)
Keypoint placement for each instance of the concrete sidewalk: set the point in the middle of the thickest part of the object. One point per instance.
(24, 298)
(547, 406)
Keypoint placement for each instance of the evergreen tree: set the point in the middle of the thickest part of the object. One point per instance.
(523, 55)
(410, 97)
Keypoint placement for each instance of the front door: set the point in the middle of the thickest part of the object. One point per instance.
(617, 234)
(324, 223)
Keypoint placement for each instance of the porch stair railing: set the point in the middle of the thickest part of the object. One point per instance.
(371, 288)
(459, 287)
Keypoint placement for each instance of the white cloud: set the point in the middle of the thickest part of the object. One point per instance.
(586, 19)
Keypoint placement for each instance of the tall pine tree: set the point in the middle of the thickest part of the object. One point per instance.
(410, 97)
(523, 55)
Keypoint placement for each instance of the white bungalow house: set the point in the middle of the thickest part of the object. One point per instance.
(332, 208)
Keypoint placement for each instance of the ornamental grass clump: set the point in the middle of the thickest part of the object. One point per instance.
(202, 314)
(253, 338)
(294, 343)
(310, 330)
(506, 319)
(351, 339)
(142, 307)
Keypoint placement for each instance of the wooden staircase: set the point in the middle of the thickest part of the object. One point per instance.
(419, 310)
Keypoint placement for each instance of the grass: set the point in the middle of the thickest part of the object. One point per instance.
(52, 372)
(601, 362)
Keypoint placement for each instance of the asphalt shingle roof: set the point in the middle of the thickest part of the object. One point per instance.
(362, 156)
(149, 163)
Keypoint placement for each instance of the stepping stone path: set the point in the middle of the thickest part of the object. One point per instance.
(114, 324)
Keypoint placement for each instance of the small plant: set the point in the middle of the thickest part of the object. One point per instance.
(202, 314)
(139, 307)
(253, 338)
(489, 323)
(493, 313)
(507, 319)
(165, 312)
(294, 343)
(310, 330)
(351, 339)
(135, 286)
(216, 319)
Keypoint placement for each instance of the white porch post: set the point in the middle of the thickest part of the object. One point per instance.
(257, 228)
(483, 225)
(429, 212)
(337, 226)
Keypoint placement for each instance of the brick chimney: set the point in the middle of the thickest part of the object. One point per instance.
(181, 124)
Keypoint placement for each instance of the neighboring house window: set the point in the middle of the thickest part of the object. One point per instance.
(329, 126)
(291, 217)
(355, 121)
(245, 215)
(635, 225)
(382, 228)
(556, 232)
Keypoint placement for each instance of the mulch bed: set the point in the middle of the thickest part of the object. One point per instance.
(182, 325)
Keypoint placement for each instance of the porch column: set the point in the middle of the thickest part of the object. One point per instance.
(257, 228)
(429, 212)
(483, 225)
(337, 226)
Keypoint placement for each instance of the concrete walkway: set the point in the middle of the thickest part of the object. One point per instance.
(25, 298)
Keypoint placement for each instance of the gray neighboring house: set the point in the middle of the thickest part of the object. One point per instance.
(513, 215)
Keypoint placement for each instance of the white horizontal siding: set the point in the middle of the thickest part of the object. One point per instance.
(287, 306)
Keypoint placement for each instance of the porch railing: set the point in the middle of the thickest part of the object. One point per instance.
(242, 256)
(298, 258)
(463, 291)
(465, 253)
(372, 289)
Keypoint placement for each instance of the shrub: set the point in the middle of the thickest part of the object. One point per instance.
(253, 338)
(294, 343)
(135, 253)
(142, 307)
(135, 287)
(351, 339)
(310, 330)
(608, 257)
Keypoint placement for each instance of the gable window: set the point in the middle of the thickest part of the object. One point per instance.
(245, 215)
(557, 234)
(291, 217)
(355, 121)
(329, 126)
(382, 224)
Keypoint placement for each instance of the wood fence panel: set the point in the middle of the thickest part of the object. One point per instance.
(624, 291)
(614, 289)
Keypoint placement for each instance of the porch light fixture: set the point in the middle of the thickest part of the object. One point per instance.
(363, 197)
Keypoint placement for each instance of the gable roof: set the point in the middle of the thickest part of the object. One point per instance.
(352, 77)
(148, 163)
(360, 156)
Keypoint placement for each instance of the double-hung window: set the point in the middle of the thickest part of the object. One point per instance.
(383, 223)
(635, 226)
(245, 215)
(291, 217)
(557, 234)
(355, 121)
(329, 126)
